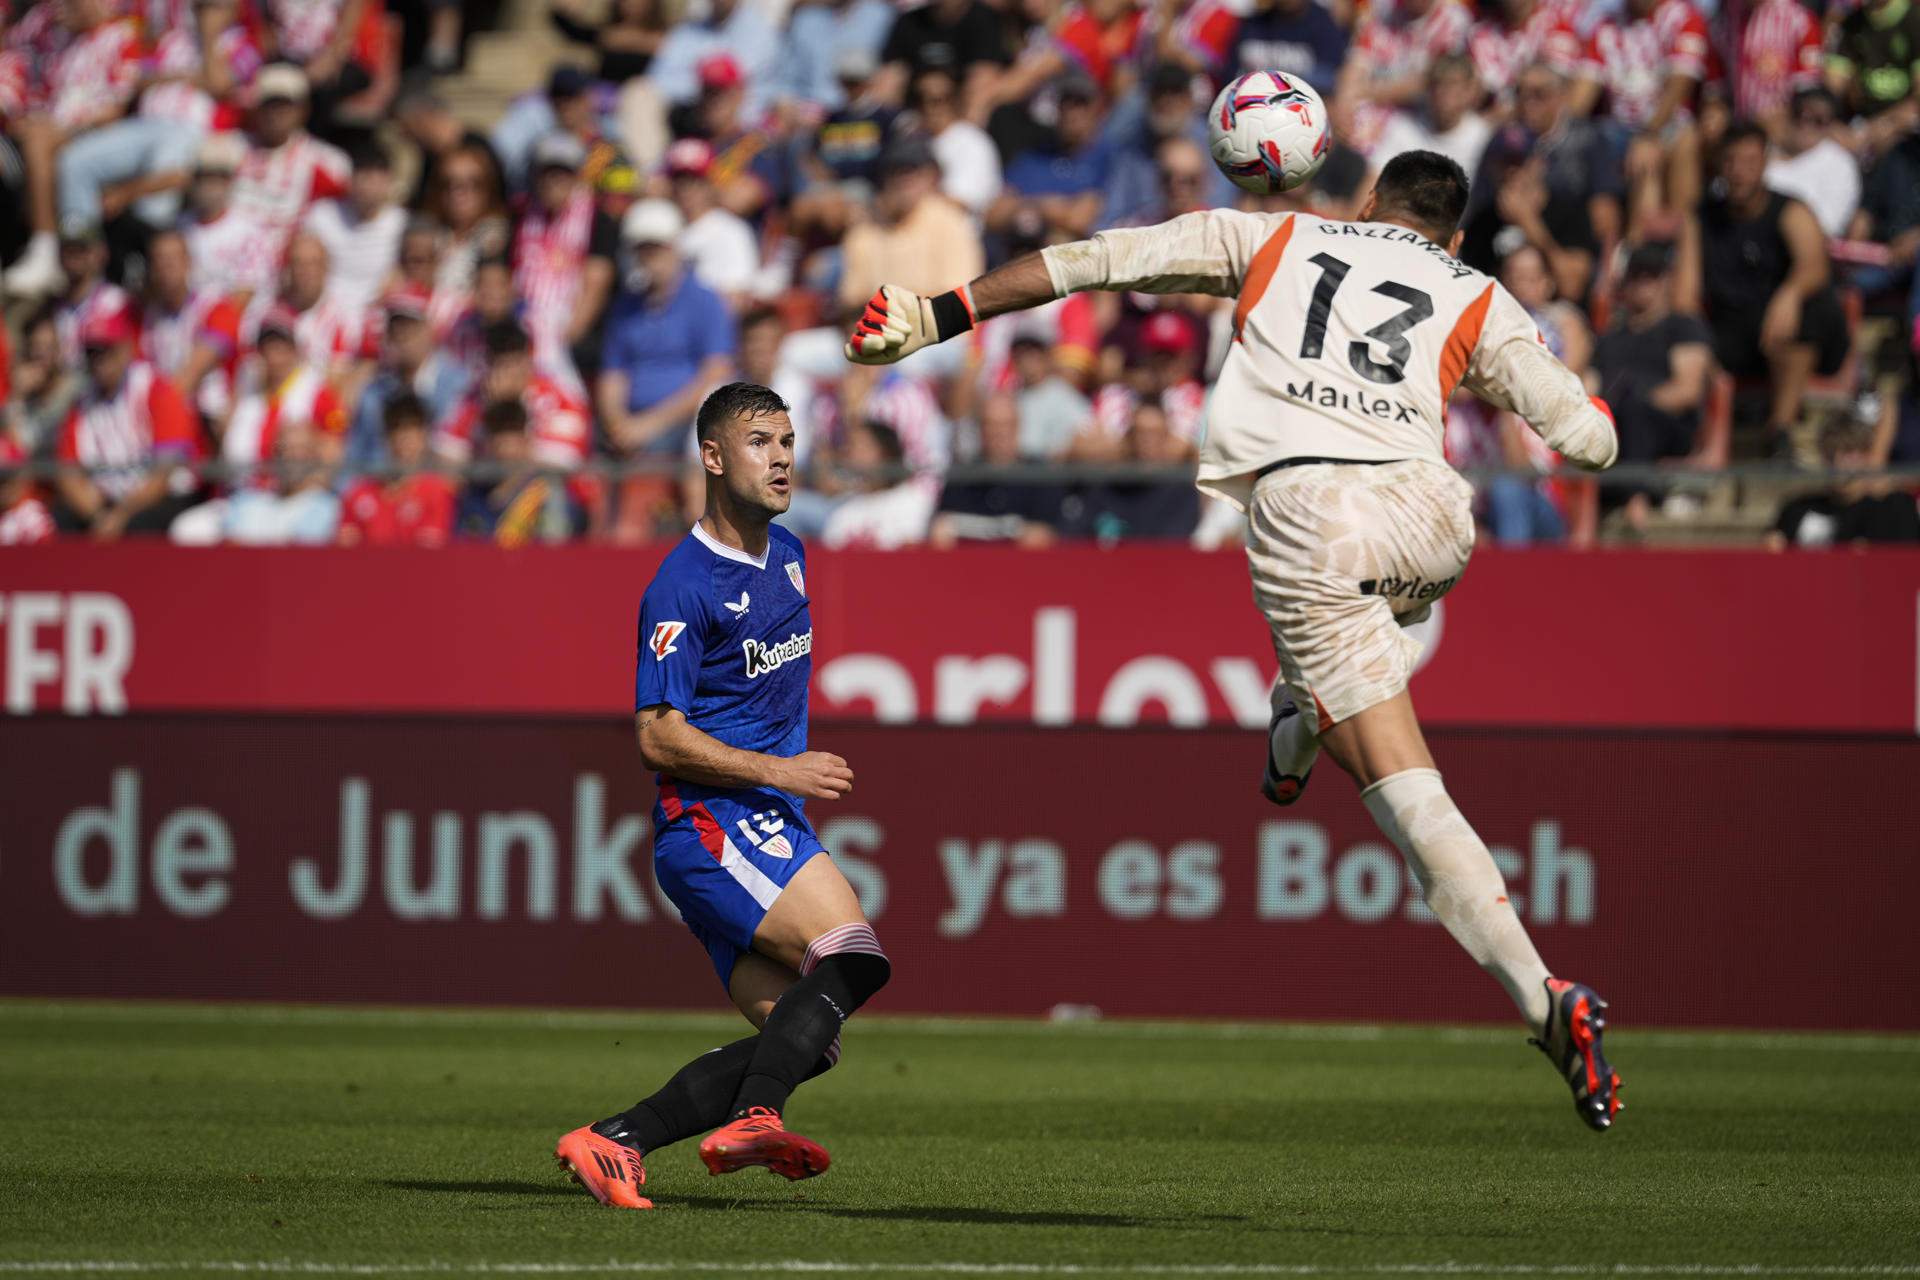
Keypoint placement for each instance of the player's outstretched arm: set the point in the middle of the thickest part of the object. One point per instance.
(669, 745)
(1204, 252)
(1511, 368)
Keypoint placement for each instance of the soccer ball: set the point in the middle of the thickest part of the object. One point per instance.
(1268, 132)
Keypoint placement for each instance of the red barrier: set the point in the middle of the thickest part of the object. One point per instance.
(1137, 634)
(1695, 879)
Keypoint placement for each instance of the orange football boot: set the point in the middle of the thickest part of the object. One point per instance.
(760, 1138)
(611, 1172)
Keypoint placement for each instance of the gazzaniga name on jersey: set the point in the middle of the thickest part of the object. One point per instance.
(762, 658)
(1381, 231)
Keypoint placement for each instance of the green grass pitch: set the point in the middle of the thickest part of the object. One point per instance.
(174, 1140)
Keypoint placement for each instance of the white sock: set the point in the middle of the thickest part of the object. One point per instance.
(1461, 883)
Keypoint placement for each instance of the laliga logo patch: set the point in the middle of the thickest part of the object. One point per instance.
(664, 634)
(793, 572)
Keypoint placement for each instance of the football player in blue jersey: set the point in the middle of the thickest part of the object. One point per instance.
(720, 700)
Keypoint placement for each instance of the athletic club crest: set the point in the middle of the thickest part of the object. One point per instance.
(793, 572)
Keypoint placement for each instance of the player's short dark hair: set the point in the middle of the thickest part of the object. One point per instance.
(404, 410)
(742, 400)
(502, 417)
(1425, 188)
(506, 338)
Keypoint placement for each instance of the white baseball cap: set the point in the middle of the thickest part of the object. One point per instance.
(280, 80)
(652, 222)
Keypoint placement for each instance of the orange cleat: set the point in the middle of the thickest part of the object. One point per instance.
(611, 1172)
(760, 1138)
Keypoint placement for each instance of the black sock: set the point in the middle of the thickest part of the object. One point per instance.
(804, 1023)
(698, 1098)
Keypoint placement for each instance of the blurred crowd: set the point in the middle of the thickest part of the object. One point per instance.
(255, 233)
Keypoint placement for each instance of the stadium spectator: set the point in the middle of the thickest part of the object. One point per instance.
(1870, 67)
(1444, 120)
(465, 202)
(407, 506)
(1763, 275)
(1648, 64)
(1160, 164)
(559, 430)
(917, 235)
(24, 518)
(1156, 507)
(232, 254)
(331, 331)
(753, 171)
(515, 502)
(670, 339)
(625, 40)
(1812, 166)
(1299, 37)
(887, 510)
(437, 134)
(1780, 56)
(413, 367)
(294, 504)
(43, 385)
(1862, 509)
(1051, 412)
(1652, 368)
(823, 42)
(570, 104)
(286, 169)
(736, 28)
(1386, 72)
(322, 39)
(1521, 509)
(280, 388)
(840, 163)
(123, 442)
(969, 162)
(1553, 178)
(564, 245)
(961, 37)
(192, 336)
(84, 79)
(361, 230)
(1056, 189)
(990, 509)
(1168, 351)
(1513, 35)
(88, 293)
(718, 245)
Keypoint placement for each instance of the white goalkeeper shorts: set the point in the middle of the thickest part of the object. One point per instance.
(1346, 556)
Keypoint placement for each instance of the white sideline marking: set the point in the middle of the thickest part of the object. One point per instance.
(1120, 1028)
(803, 1266)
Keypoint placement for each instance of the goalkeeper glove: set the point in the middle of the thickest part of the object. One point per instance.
(898, 323)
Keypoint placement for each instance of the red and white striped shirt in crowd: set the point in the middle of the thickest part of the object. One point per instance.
(71, 76)
(1780, 52)
(1635, 59)
(910, 407)
(27, 520)
(276, 187)
(303, 400)
(330, 334)
(168, 340)
(70, 317)
(1390, 47)
(548, 252)
(1184, 403)
(302, 28)
(173, 66)
(558, 427)
(1500, 52)
(126, 431)
(233, 254)
(33, 41)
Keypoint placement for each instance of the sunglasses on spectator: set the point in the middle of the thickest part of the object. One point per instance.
(1536, 90)
(465, 184)
(1182, 176)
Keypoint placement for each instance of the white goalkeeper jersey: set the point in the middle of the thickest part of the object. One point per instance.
(1349, 339)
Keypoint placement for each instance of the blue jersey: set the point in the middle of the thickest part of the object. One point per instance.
(726, 639)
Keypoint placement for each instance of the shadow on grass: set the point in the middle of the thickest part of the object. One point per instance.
(974, 1214)
(490, 1186)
